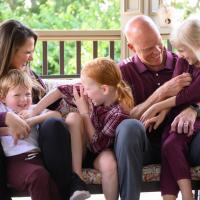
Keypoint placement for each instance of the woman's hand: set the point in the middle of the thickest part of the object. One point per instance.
(17, 126)
(81, 100)
(184, 122)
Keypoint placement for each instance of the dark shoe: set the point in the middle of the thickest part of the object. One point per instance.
(78, 190)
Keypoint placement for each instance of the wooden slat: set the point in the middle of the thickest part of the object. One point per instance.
(78, 57)
(61, 58)
(78, 36)
(112, 49)
(95, 49)
(45, 63)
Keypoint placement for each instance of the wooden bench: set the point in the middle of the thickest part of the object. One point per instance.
(150, 183)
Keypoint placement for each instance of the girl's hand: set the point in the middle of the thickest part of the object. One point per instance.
(149, 113)
(25, 114)
(17, 126)
(30, 122)
(155, 122)
(81, 100)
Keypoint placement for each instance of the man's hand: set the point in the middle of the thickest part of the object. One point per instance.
(168, 89)
(184, 122)
(174, 85)
(17, 126)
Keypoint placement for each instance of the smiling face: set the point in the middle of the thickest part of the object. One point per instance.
(150, 51)
(144, 39)
(23, 54)
(93, 90)
(186, 53)
(18, 98)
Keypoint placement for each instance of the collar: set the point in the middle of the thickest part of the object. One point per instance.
(141, 67)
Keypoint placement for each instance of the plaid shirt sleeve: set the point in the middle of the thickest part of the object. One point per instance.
(104, 138)
(67, 91)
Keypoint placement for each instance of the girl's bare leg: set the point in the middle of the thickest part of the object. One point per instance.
(186, 189)
(76, 128)
(169, 197)
(106, 164)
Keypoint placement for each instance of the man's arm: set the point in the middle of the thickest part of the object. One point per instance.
(169, 89)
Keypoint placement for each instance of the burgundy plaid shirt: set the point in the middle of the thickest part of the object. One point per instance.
(105, 120)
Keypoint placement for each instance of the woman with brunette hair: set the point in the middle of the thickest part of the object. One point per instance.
(17, 44)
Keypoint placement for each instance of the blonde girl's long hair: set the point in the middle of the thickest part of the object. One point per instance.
(13, 79)
(106, 72)
(188, 34)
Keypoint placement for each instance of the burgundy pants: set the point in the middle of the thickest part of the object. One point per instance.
(30, 175)
(174, 161)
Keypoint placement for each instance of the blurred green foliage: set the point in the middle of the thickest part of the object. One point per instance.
(186, 7)
(74, 15)
(65, 15)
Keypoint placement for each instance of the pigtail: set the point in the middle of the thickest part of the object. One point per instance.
(105, 71)
(125, 97)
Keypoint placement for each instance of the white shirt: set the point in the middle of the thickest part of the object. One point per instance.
(22, 146)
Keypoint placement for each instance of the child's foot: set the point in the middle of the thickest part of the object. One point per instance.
(78, 190)
(80, 195)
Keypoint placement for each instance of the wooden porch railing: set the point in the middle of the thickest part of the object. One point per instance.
(78, 36)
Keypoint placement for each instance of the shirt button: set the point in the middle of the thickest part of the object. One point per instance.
(156, 74)
(158, 84)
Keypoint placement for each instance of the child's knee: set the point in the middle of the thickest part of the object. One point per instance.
(107, 162)
(73, 118)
